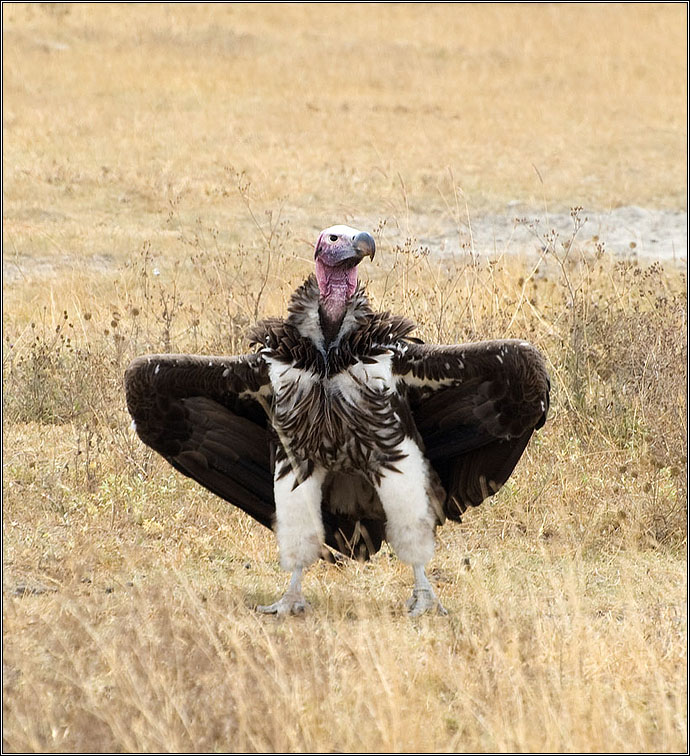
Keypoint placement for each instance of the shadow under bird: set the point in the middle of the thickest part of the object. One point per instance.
(340, 429)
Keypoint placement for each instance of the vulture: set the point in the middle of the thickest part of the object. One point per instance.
(339, 429)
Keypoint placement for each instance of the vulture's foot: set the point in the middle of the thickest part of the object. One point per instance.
(290, 603)
(424, 600)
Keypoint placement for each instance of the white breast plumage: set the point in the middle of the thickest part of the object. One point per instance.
(376, 376)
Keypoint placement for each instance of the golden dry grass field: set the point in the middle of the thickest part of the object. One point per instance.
(166, 169)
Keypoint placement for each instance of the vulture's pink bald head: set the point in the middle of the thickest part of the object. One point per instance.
(338, 251)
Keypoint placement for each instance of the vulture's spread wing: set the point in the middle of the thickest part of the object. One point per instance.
(475, 407)
(204, 416)
(207, 417)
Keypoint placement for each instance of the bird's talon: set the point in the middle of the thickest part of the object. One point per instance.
(286, 605)
(422, 601)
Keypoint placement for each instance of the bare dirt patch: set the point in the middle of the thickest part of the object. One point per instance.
(626, 231)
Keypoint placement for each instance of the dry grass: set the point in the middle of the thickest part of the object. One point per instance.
(164, 170)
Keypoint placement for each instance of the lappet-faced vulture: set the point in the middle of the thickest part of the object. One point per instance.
(340, 429)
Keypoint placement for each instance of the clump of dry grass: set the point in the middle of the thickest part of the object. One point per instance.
(543, 654)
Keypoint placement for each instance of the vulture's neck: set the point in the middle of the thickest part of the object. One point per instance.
(337, 286)
(331, 319)
(326, 320)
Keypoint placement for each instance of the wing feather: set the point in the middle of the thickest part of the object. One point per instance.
(475, 407)
(201, 413)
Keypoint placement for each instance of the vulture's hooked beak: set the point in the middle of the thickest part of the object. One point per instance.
(342, 246)
(364, 245)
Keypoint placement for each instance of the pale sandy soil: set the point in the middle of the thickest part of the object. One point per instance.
(626, 232)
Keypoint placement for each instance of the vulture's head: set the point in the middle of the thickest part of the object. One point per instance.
(338, 251)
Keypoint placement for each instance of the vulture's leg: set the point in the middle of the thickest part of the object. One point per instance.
(423, 598)
(300, 533)
(406, 495)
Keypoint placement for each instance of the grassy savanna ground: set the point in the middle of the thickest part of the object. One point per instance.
(166, 169)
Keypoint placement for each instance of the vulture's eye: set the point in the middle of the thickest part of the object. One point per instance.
(332, 237)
